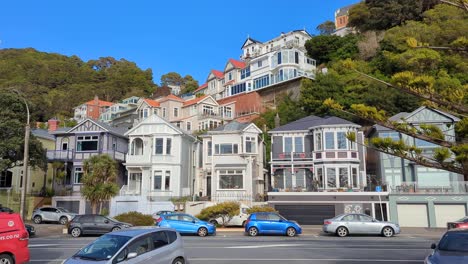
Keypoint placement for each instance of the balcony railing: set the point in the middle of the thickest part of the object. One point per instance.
(69, 155)
(456, 187)
(61, 155)
(292, 156)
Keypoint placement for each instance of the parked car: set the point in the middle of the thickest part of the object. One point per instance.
(31, 230)
(5, 210)
(462, 223)
(271, 223)
(52, 214)
(186, 224)
(139, 245)
(237, 220)
(451, 249)
(159, 213)
(90, 224)
(13, 239)
(346, 224)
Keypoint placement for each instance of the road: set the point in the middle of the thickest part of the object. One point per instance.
(239, 249)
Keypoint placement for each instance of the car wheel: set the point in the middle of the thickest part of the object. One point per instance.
(178, 261)
(291, 231)
(387, 231)
(37, 219)
(342, 231)
(253, 231)
(6, 259)
(63, 220)
(116, 228)
(202, 231)
(214, 222)
(75, 232)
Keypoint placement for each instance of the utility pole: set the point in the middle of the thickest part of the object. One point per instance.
(25, 161)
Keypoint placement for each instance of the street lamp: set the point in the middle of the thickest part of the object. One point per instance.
(25, 160)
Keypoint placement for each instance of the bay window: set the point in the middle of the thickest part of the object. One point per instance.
(318, 141)
(87, 143)
(288, 145)
(226, 148)
(329, 140)
(250, 145)
(231, 179)
(341, 139)
(331, 178)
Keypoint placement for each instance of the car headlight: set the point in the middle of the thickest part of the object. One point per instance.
(125, 226)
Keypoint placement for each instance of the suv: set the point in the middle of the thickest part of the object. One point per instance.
(52, 214)
(271, 223)
(139, 245)
(13, 239)
(94, 224)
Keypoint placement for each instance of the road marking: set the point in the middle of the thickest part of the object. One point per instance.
(42, 245)
(267, 246)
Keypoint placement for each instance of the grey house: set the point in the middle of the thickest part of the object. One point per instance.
(73, 146)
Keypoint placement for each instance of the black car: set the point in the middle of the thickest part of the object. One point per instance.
(451, 249)
(5, 210)
(31, 230)
(90, 224)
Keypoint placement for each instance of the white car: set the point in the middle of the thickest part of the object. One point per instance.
(237, 220)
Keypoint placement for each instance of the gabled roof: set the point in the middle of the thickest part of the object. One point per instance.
(249, 41)
(119, 131)
(152, 103)
(233, 126)
(308, 122)
(237, 64)
(194, 101)
(454, 118)
(343, 11)
(218, 74)
(203, 86)
(172, 97)
(157, 119)
(100, 103)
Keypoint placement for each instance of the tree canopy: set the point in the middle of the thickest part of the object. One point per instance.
(187, 83)
(326, 28)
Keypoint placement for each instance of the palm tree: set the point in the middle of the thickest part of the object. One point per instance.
(99, 180)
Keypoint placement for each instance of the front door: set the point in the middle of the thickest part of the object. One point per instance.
(208, 186)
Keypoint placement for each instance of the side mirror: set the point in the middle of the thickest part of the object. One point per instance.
(281, 220)
(106, 221)
(193, 221)
(132, 255)
(433, 246)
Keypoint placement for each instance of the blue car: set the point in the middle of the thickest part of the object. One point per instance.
(186, 224)
(271, 223)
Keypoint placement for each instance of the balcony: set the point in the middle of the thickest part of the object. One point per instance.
(456, 187)
(60, 155)
(70, 155)
(292, 156)
(318, 155)
(209, 115)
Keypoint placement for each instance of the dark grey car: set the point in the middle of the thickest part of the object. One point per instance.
(90, 224)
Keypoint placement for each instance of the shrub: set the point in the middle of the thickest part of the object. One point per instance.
(257, 209)
(136, 219)
(225, 210)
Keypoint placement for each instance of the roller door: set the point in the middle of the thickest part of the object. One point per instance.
(412, 215)
(307, 214)
(448, 212)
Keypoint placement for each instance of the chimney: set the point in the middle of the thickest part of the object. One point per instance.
(96, 100)
(277, 120)
(53, 124)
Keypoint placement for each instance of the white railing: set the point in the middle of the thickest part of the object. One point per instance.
(456, 187)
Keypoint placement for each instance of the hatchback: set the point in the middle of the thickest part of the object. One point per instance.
(345, 224)
(94, 225)
(451, 249)
(52, 214)
(461, 223)
(13, 239)
(134, 245)
(271, 223)
(186, 224)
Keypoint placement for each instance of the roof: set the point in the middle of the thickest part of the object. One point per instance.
(42, 133)
(203, 86)
(343, 11)
(152, 103)
(218, 74)
(194, 101)
(312, 121)
(232, 126)
(228, 83)
(251, 39)
(237, 64)
(119, 131)
(100, 103)
(172, 97)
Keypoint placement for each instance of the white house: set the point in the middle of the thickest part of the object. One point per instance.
(232, 163)
(160, 165)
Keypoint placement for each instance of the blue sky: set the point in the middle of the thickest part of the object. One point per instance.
(185, 36)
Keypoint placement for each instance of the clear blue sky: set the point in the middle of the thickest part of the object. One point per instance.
(188, 36)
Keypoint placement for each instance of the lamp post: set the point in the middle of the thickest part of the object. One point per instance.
(25, 160)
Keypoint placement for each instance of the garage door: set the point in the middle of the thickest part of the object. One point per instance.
(412, 215)
(448, 212)
(307, 214)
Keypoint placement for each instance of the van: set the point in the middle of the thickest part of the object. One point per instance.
(237, 220)
(13, 239)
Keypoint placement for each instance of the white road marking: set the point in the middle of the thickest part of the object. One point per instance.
(267, 246)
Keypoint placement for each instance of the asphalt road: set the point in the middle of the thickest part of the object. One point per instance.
(239, 249)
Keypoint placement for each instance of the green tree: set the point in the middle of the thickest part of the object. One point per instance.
(99, 180)
(190, 84)
(225, 210)
(325, 48)
(172, 78)
(326, 28)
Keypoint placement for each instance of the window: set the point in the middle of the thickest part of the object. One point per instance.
(176, 112)
(238, 88)
(157, 180)
(344, 180)
(64, 145)
(167, 182)
(341, 138)
(168, 146)
(5, 179)
(189, 126)
(329, 140)
(226, 148)
(250, 146)
(365, 218)
(77, 175)
(279, 58)
(298, 144)
(230, 76)
(208, 110)
(288, 147)
(227, 111)
(331, 178)
(140, 245)
(87, 143)
(296, 57)
(245, 72)
(261, 82)
(164, 112)
(160, 239)
(350, 217)
(178, 124)
(320, 177)
(230, 179)
(318, 141)
(259, 64)
(354, 177)
(158, 148)
(210, 148)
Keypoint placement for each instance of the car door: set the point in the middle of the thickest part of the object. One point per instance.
(262, 222)
(189, 223)
(276, 224)
(45, 214)
(143, 247)
(161, 251)
(351, 221)
(102, 225)
(369, 225)
(55, 214)
(87, 224)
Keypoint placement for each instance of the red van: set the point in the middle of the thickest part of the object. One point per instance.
(13, 239)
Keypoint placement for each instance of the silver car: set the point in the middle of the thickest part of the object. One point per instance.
(52, 214)
(134, 245)
(346, 224)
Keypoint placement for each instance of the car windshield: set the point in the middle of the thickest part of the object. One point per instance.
(339, 216)
(454, 241)
(112, 219)
(464, 219)
(63, 210)
(102, 248)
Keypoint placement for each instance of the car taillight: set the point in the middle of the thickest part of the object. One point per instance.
(24, 236)
(327, 222)
(158, 220)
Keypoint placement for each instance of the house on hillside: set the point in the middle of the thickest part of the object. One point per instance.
(233, 164)
(421, 196)
(76, 144)
(160, 165)
(116, 110)
(91, 109)
(341, 21)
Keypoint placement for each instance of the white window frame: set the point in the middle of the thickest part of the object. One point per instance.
(237, 172)
(164, 112)
(217, 148)
(189, 126)
(176, 112)
(250, 139)
(76, 171)
(85, 139)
